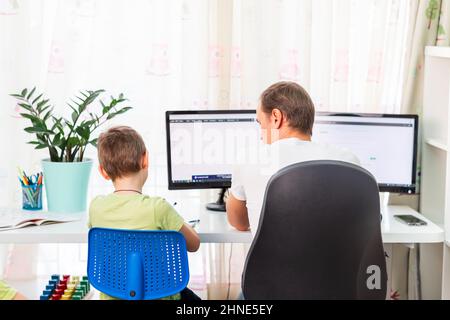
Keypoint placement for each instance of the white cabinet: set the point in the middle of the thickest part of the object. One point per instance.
(435, 177)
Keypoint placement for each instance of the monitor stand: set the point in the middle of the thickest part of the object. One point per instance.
(219, 205)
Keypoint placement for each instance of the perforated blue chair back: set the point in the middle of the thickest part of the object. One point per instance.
(137, 265)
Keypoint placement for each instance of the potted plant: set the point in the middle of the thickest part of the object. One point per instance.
(66, 171)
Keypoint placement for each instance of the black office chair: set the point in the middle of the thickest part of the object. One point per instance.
(319, 236)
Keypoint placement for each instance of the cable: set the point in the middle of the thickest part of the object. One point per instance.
(229, 272)
(418, 277)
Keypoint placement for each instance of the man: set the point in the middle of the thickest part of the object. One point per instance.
(286, 116)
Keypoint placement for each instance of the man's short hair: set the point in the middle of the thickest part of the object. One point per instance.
(120, 151)
(293, 101)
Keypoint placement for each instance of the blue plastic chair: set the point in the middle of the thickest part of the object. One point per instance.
(137, 265)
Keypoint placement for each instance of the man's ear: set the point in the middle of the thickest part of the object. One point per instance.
(144, 161)
(277, 118)
(103, 172)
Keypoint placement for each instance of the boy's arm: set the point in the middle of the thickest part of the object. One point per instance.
(191, 236)
(169, 219)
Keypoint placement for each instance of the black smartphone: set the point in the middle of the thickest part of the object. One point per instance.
(410, 220)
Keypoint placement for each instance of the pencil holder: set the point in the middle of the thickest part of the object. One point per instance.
(32, 197)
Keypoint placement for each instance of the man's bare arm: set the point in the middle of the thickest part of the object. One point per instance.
(237, 213)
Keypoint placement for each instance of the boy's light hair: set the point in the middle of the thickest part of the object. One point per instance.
(120, 151)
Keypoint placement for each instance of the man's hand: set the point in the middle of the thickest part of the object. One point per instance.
(237, 213)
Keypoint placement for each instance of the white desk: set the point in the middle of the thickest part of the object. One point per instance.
(214, 228)
(394, 231)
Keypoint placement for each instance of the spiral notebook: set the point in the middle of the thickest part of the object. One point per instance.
(14, 219)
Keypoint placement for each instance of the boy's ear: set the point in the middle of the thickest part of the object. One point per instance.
(103, 172)
(144, 161)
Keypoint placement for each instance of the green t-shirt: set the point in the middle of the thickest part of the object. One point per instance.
(134, 212)
(6, 292)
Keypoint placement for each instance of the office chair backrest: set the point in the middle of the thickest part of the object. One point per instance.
(137, 265)
(319, 236)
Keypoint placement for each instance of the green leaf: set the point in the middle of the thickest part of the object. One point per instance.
(77, 103)
(91, 98)
(31, 93)
(41, 104)
(81, 99)
(41, 138)
(45, 108)
(68, 124)
(29, 116)
(74, 116)
(18, 96)
(37, 130)
(71, 107)
(105, 108)
(26, 106)
(123, 110)
(90, 123)
(94, 142)
(73, 141)
(57, 124)
(57, 140)
(83, 132)
(110, 116)
(36, 99)
(24, 92)
(47, 115)
(41, 146)
(40, 125)
(33, 142)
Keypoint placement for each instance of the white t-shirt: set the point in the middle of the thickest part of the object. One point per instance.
(249, 180)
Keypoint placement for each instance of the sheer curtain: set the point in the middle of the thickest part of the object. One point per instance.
(193, 54)
(348, 54)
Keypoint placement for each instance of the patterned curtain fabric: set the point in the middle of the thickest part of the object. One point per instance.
(348, 54)
(430, 26)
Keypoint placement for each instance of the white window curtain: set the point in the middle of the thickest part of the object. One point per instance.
(193, 54)
(348, 54)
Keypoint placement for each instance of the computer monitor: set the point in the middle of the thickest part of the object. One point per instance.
(202, 147)
(386, 145)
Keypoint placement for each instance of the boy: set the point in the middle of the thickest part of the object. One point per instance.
(123, 158)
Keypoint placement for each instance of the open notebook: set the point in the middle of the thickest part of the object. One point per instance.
(15, 219)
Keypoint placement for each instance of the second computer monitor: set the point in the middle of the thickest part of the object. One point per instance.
(386, 145)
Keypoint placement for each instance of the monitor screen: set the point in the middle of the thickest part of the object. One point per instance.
(386, 145)
(202, 146)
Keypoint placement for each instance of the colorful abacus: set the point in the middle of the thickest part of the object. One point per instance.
(67, 288)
